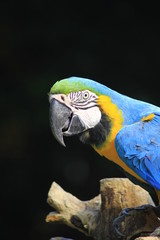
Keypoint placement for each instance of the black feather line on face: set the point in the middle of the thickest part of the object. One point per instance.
(97, 135)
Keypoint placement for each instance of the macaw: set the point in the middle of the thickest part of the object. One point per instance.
(122, 129)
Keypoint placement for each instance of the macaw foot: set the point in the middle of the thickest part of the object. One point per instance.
(125, 213)
(136, 220)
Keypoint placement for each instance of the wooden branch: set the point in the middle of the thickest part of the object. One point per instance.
(71, 211)
(117, 195)
(149, 238)
(95, 217)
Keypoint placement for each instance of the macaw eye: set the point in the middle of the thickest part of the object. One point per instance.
(85, 95)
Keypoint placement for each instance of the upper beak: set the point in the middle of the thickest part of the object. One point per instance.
(63, 121)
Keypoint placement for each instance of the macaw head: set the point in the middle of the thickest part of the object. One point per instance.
(74, 110)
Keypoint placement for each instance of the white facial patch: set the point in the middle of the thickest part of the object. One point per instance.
(90, 117)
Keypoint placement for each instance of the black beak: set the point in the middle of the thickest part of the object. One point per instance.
(63, 121)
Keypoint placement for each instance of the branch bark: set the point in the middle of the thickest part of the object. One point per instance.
(95, 217)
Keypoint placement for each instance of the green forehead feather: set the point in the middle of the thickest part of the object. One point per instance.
(73, 84)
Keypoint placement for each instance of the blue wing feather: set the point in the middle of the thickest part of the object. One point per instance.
(138, 145)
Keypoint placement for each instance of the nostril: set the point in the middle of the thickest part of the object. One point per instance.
(62, 98)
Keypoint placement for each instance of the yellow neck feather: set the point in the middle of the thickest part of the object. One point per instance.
(115, 116)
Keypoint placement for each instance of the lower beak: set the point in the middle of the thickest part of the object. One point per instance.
(63, 121)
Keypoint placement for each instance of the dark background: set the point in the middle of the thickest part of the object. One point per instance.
(116, 43)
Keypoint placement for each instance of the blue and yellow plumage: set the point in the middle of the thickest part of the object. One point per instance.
(132, 137)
